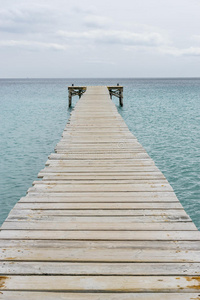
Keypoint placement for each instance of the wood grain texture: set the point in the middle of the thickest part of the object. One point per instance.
(9, 295)
(100, 283)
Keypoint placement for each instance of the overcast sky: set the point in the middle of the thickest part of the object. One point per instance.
(99, 38)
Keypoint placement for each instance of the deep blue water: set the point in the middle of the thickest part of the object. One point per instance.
(164, 114)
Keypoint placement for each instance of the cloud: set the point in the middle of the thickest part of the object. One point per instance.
(100, 61)
(89, 9)
(191, 51)
(115, 37)
(25, 18)
(32, 45)
(96, 21)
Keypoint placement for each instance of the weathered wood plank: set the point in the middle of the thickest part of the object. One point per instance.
(167, 226)
(10, 295)
(155, 284)
(81, 156)
(137, 187)
(126, 245)
(99, 181)
(71, 268)
(114, 169)
(64, 157)
(31, 216)
(97, 199)
(100, 140)
(153, 194)
(98, 255)
(175, 214)
(90, 205)
(103, 176)
(101, 235)
(96, 163)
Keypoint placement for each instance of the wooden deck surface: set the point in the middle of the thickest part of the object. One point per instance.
(102, 224)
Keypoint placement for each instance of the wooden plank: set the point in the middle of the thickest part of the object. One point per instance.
(90, 205)
(175, 214)
(98, 255)
(97, 134)
(103, 163)
(97, 199)
(96, 163)
(101, 187)
(98, 226)
(124, 154)
(102, 283)
(100, 169)
(111, 195)
(110, 153)
(136, 158)
(10, 295)
(112, 245)
(97, 153)
(131, 147)
(101, 235)
(32, 216)
(103, 176)
(71, 268)
(97, 129)
(99, 181)
(100, 140)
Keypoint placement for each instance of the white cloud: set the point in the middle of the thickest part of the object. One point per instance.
(32, 45)
(191, 51)
(115, 37)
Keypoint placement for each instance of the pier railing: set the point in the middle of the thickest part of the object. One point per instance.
(116, 91)
(75, 91)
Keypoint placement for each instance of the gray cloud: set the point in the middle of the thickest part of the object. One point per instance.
(25, 18)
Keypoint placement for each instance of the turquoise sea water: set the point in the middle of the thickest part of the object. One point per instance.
(164, 114)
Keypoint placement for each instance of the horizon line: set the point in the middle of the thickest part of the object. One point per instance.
(161, 77)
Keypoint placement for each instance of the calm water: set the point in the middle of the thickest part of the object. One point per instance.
(164, 114)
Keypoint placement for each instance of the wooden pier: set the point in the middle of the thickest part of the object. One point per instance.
(102, 224)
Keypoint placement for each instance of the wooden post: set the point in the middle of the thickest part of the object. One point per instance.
(121, 97)
(70, 98)
(79, 94)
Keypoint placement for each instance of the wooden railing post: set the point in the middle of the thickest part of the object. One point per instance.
(121, 97)
(69, 98)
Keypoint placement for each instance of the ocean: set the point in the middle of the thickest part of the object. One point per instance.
(164, 115)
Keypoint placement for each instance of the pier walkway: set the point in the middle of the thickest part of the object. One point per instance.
(102, 224)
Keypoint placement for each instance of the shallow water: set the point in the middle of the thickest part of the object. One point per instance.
(164, 114)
